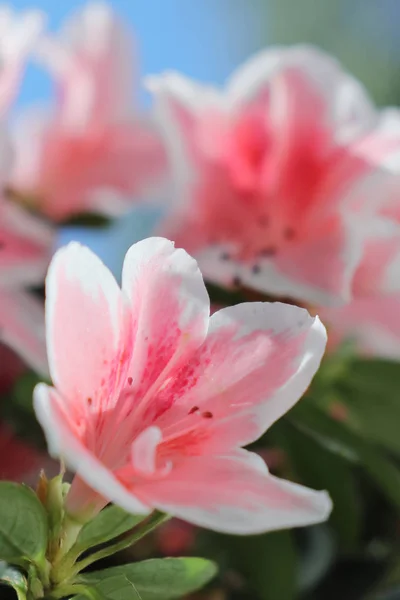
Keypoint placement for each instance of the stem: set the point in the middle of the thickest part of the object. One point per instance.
(156, 519)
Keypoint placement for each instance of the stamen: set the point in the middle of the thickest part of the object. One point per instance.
(207, 415)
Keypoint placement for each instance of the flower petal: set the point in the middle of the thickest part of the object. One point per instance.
(170, 308)
(234, 494)
(26, 244)
(88, 327)
(64, 442)
(257, 361)
(349, 103)
(22, 327)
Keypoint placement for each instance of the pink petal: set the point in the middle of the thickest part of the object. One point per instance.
(63, 441)
(257, 361)
(92, 62)
(26, 244)
(351, 109)
(234, 494)
(18, 35)
(22, 327)
(170, 308)
(88, 329)
(372, 323)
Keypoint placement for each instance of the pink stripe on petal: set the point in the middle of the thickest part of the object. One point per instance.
(170, 308)
(257, 361)
(95, 485)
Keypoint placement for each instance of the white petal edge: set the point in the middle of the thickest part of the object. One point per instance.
(174, 261)
(280, 318)
(80, 265)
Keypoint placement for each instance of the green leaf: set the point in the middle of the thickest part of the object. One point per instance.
(108, 524)
(14, 578)
(268, 562)
(330, 434)
(371, 393)
(87, 220)
(157, 579)
(336, 437)
(318, 468)
(23, 524)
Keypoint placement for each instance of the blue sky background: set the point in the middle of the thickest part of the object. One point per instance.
(204, 39)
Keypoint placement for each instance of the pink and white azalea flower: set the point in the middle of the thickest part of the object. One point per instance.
(153, 399)
(372, 317)
(26, 244)
(18, 36)
(95, 152)
(273, 173)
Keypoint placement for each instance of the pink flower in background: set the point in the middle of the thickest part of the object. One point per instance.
(95, 151)
(18, 461)
(18, 36)
(371, 318)
(274, 175)
(154, 399)
(175, 537)
(26, 244)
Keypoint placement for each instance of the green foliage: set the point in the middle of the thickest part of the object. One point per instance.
(268, 562)
(371, 393)
(15, 579)
(108, 524)
(92, 220)
(23, 525)
(322, 469)
(157, 579)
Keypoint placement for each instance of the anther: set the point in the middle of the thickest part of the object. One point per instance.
(207, 415)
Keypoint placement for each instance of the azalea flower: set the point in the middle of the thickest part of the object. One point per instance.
(26, 244)
(153, 399)
(274, 173)
(18, 35)
(371, 318)
(95, 151)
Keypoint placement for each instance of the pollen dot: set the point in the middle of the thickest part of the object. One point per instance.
(237, 281)
(207, 415)
(90, 401)
(130, 380)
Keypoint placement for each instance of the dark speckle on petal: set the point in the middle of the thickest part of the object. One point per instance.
(207, 414)
(237, 282)
(268, 251)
